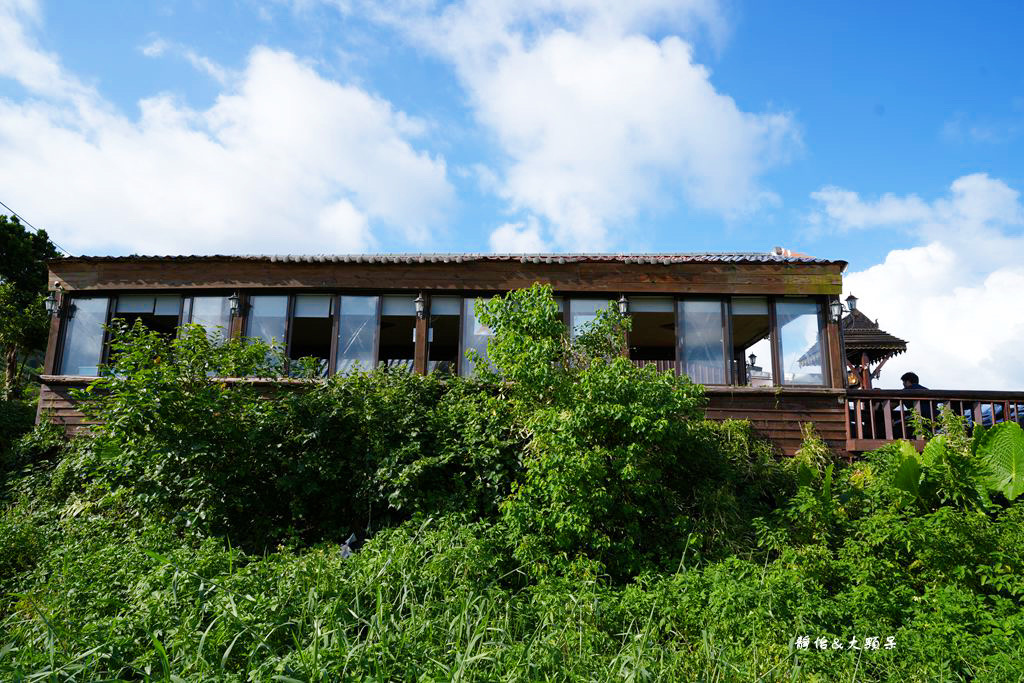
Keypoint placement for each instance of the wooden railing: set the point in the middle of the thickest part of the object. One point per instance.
(877, 416)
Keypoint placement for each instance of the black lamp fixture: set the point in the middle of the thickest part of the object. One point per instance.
(236, 304)
(835, 309)
(421, 305)
(851, 302)
(753, 359)
(623, 305)
(51, 299)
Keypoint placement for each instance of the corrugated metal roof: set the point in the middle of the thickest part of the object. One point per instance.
(659, 258)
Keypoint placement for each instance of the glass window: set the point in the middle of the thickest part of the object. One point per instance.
(268, 318)
(357, 333)
(702, 341)
(583, 313)
(213, 313)
(157, 312)
(799, 321)
(311, 329)
(653, 335)
(443, 339)
(751, 346)
(474, 336)
(83, 337)
(397, 332)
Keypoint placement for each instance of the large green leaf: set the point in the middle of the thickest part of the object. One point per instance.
(1001, 451)
(908, 475)
(934, 450)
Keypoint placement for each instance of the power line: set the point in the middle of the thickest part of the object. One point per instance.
(25, 221)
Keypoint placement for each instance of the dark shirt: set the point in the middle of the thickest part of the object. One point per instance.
(916, 387)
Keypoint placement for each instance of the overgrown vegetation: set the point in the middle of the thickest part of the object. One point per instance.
(566, 516)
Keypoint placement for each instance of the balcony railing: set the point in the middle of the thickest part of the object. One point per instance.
(877, 416)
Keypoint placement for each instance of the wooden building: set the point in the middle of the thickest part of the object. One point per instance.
(740, 323)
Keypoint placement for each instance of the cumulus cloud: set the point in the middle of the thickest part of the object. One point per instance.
(524, 237)
(596, 119)
(284, 160)
(956, 296)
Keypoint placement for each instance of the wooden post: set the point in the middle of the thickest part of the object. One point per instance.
(50, 359)
(865, 371)
(422, 339)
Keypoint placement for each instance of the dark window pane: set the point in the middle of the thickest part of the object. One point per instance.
(311, 329)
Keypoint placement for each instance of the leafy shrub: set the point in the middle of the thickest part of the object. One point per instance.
(566, 516)
(16, 419)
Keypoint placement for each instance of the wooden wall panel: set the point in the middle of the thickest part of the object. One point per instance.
(779, 416)
(56, 404)
(602, 277)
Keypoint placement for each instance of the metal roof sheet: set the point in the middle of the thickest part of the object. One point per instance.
(656, 258)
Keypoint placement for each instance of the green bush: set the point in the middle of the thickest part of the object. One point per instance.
(16, 419)
(565, 516)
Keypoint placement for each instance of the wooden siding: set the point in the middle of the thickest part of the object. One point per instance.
(603, 277)
(778, 414)
(56, 404)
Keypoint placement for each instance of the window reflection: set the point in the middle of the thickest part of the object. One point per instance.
(268, 318)
(357, 333)
(702, 341)
(799, 321)
(583, 312)
(751, 345)
(83, 336)
(475, 336)
(212, 313)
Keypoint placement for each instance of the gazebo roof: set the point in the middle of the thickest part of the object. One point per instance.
(862, 335)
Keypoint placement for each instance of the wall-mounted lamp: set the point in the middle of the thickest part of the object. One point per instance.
(851, 302)
(52, 304)
(835, 310)
(753, 360)
(421, 305)
(623, 305)
(235, 302)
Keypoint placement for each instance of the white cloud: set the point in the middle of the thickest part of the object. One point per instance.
(519, 238)
(285, 160)
(956, 297)
(596, 119)
(160, 47)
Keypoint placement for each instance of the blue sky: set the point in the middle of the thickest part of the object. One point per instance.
(886, 134)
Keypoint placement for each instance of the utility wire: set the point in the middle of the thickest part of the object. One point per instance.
(25, 221)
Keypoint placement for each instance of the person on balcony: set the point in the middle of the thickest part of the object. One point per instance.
(912, 382)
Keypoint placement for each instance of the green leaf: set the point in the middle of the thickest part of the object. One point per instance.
(908, 475)
(1001, 451)
(935, 450)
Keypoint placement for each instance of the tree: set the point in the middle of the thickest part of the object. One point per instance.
(23, 319)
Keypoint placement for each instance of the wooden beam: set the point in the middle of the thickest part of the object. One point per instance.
(604, 277)
(422, 339)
